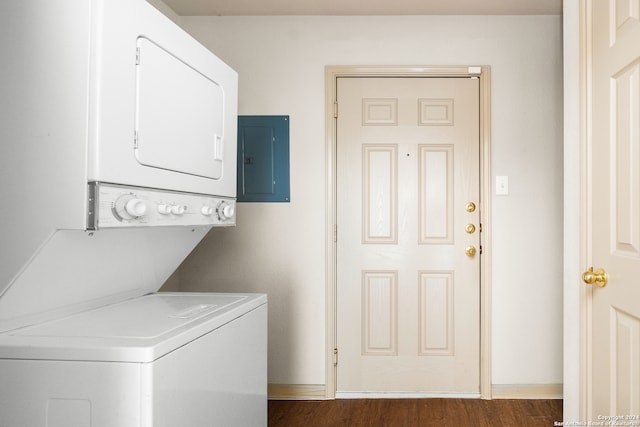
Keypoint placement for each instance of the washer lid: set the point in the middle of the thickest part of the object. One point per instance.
(137, 330)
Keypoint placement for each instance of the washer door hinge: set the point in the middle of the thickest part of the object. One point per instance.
(137, 56)
(335, 110)
(335, 357)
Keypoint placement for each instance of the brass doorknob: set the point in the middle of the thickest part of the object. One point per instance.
(470, 207)
(470, 251)
(599, 277)
(470, 228)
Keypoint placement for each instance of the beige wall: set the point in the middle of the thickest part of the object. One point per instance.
(279, 248)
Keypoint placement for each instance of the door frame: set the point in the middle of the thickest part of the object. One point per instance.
(585, 293)
(332, 73)
(576, 48)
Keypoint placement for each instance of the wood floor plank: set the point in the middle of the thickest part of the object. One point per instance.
(415, 412)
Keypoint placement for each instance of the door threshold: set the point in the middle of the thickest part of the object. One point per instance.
(405, 395)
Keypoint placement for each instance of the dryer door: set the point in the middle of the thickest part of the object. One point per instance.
(179, 127)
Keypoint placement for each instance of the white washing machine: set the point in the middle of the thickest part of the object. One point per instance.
(161, 360)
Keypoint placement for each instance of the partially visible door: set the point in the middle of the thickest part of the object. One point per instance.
(408, 279)
(614, 206)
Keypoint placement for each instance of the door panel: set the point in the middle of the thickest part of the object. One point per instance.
(435, 194)
(379, 313)
(175, 119)
(615, 208)
(380, 193)
(407, 294)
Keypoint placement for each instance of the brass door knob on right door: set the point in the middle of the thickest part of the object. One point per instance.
(599, 277)
(470, 251)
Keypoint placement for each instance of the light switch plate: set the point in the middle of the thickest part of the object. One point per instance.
(502, 185)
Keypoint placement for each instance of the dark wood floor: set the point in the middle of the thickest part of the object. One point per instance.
(415, 412)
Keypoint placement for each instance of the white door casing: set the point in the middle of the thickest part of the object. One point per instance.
(331, 75)
(405, 273)
(611, 238)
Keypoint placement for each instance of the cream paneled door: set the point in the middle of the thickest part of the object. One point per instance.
(614, 204)
(408, 211)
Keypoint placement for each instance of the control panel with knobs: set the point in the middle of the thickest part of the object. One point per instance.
(116, 206)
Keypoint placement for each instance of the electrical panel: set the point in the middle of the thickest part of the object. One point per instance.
(263, 159)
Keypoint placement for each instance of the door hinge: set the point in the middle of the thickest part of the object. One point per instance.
(135, 140)
(335, 110)
(480, 249)
(335, 233)
(137, 56)
(335, 357)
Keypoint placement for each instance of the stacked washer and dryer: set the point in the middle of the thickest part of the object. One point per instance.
(117, 156)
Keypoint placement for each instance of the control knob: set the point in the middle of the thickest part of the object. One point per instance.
(136, 207)
(164, 209)
(178, 209)
(129, 207)
(206, 210)
(225, 211)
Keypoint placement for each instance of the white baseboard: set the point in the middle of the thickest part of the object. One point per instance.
(296, 392)
(526, 391)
